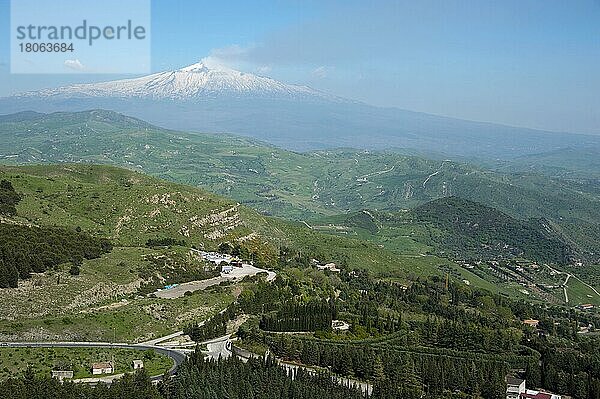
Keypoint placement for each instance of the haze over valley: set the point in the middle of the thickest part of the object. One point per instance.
(300, 200)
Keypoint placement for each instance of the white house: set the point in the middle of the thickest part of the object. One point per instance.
(340, 325)
(102, 368)
(332, 267)
(514, 387)
(61, 374)
(138, 364)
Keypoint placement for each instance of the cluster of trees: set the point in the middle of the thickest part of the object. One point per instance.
(258, 378)
(27, 249)
(264, 297)
(214, 327)
(290, 257)
(131, 386)
(466, 335)
(457, 339)
(395, 368)
(556, 357)
(447, 321)
(249, 251)
(394, 375)
(8, 198)
(572, 369)
(258, 299)
(312, 316)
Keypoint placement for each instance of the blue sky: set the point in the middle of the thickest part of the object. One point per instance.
(526, 63)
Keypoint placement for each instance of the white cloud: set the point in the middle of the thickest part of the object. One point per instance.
(75, 65)
(264, 69)
(231, 57)
(321, 72)
(232, 52)
(235, 57)
(215, 62)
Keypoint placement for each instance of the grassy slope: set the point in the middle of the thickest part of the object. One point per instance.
(124, 206)
(280, 182)
(442, 227)
(285, 183)
(100, 304)
(129, 208)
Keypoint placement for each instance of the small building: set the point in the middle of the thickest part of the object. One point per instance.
(61, 374)
(102, 368)
(586, 306)
(340, 325)
(514, 387)
(215, 257)
(138, 364)
(531, 322)
(332, 267)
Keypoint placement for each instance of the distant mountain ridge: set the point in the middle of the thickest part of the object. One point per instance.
(205, 98)
(286, 183)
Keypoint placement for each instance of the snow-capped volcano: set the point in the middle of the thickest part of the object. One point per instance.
(195, 81)
(206, 97)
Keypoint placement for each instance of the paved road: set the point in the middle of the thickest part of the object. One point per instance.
(162, 339)
(565, 288)
(218, 347)
(178, 356)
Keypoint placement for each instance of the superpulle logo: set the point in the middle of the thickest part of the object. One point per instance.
(85, 31)
(80, 36)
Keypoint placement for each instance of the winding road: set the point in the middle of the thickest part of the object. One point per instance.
(569, 275)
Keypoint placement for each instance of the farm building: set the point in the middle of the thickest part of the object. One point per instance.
(138, 364)
(61, 374)
(102, 368)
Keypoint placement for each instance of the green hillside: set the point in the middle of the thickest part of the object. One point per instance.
(299, 186)
(458, 229)
(129, 208)
(284, 183)
(522, 257)
(124, 206)
(474, 231)
(107, 294)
